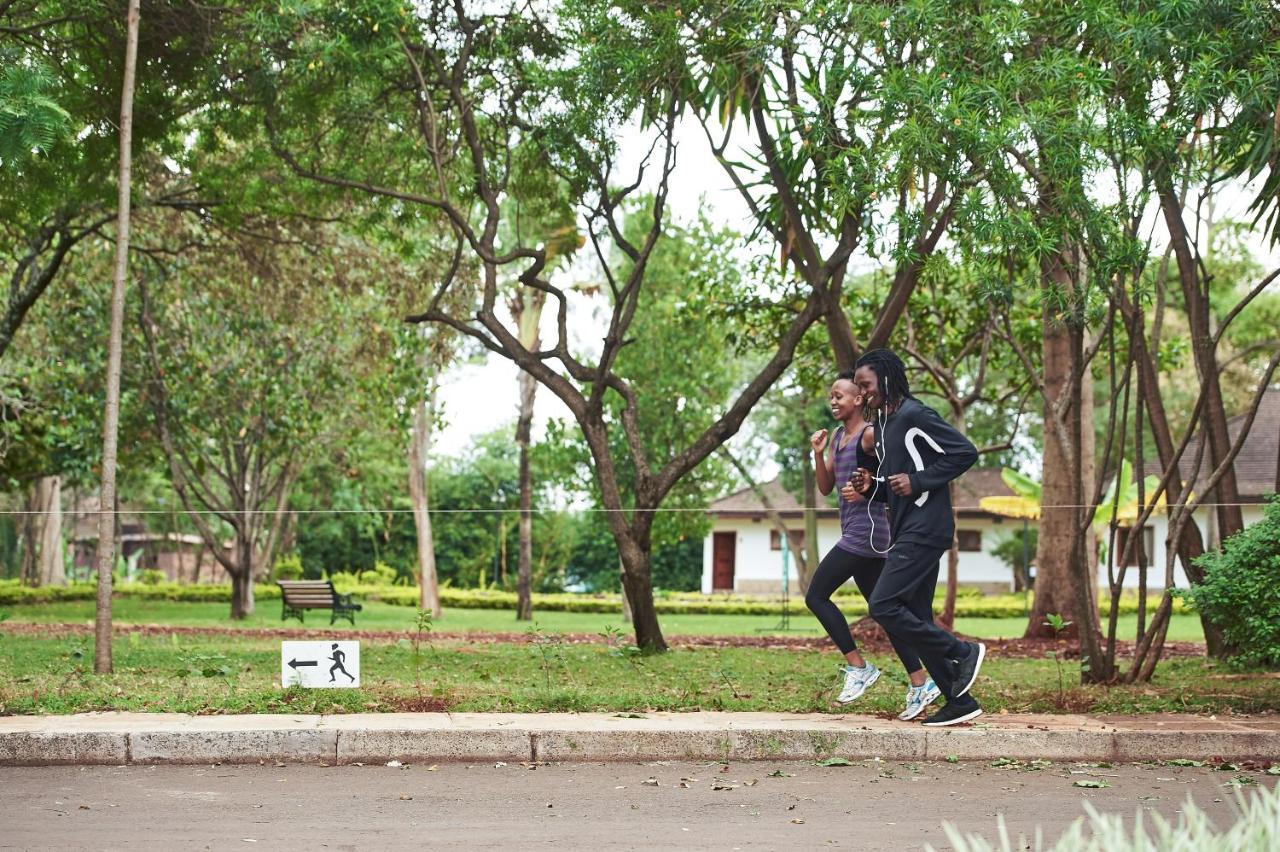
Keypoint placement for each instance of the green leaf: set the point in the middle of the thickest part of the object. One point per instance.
(835, 761)
(1021, 484)
(1094, 784)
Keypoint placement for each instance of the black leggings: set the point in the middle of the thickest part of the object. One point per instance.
(837, 567)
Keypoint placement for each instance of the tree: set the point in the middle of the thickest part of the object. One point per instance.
(111, 418)
(448, 59)
(248, 371)
(859, 130)
(59, 101)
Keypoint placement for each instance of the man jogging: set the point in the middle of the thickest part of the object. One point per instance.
(919, 454)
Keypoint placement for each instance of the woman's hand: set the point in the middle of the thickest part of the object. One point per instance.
(818, 440)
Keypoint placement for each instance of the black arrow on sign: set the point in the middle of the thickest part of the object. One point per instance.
(296, 662)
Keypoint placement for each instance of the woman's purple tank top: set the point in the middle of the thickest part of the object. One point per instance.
(856, 525)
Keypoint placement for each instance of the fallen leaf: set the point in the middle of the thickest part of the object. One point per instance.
(797, 821)
(432, 768)
(778, 773)
(394, 764)
(835, 761)
(1094, 784)
(650, 782)
(406, 798)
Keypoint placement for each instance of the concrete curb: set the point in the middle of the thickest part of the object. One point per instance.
(141, 738)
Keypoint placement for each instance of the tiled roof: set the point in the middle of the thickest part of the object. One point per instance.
(1256, 463)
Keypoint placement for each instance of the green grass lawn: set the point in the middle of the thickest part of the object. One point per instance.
(53, 675)
(380, 616)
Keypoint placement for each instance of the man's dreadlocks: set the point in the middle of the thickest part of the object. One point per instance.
(891, 374)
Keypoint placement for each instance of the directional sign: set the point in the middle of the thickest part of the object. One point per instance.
(327, 664)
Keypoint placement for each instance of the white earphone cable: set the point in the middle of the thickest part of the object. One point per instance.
(881, 419)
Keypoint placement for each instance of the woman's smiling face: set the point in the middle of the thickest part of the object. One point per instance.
(844, 399)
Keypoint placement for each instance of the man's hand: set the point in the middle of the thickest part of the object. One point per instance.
(860, 482)
(900, 484)
(818, 440)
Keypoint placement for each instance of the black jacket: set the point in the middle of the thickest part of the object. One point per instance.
(916, 441)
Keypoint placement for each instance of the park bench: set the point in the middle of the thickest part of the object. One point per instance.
(298, 596)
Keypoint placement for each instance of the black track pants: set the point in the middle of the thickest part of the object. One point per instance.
(902, 603)
(836, 568)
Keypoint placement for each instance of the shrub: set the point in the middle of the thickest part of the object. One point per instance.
(1241, 589)
(381, 574)
(287, 568)
(151, 577)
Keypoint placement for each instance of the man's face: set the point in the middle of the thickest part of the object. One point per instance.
(869, 386)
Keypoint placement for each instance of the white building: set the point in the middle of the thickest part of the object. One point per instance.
(743, 552)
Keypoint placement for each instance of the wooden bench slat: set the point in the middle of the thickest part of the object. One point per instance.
(299, 595)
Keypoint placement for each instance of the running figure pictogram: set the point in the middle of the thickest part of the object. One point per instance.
(337, 666)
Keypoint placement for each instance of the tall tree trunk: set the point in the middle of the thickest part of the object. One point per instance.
(948, 617)
(1190, 545)
(529, 317)
(242, 603)
(52, 564)
(1196, 298)
(102, 663)
(419, 446)
(1061, 560)
(524, 595)
(30, 534)
(637, 583)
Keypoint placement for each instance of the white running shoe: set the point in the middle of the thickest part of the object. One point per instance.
(857, 681)
(918, 698)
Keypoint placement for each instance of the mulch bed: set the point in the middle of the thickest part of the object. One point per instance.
(867, 633)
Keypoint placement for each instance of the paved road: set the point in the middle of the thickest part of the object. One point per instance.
(869, 805)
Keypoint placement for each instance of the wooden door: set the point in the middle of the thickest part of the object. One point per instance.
(723, 547)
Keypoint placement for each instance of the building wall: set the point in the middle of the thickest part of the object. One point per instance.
(758, 568)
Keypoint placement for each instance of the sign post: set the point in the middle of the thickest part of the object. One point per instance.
(325, 664)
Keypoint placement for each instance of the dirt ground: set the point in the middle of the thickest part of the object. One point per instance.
(765, 805)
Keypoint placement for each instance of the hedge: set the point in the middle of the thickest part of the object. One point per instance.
(969, 603)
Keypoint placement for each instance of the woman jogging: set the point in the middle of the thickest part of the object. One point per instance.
(864, 539)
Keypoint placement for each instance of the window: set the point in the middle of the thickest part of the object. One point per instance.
(1147, 544)
(970, 541)
(775, 540)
